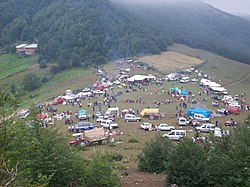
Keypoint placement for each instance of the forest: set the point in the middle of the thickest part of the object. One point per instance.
(72, 33)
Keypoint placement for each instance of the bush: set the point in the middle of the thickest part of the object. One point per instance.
(99, 172)
(31, 82)
(154, 154)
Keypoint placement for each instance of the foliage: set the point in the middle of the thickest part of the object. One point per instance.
(31, 82)
(154, 154)
(40, 157)
(186, 164)
(223, 161)
(99, 173)
(81, 33)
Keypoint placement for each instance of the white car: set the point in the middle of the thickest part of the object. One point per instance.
(165, 127)
(98, 92)
(182, 121)
(99, 119)
(194, 80)
(148, 126)
(175, 135)
(132, 118)
(109, 124)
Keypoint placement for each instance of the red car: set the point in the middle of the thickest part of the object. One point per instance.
(233, 110)
(58, 100)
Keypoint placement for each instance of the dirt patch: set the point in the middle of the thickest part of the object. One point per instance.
(141, 179)
(171, 61)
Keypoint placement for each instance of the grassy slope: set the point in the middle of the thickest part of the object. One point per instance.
(11, 64)
(14, 68)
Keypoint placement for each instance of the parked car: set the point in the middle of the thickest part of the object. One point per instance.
(108, 124)
(182, 121)
(98, 113)
(148, 126)
(194, 80)
(233, 110)
(205, 128)
(24, 114)
(175, 135)
(165, 127)
(98, 92)
(99, 119)
(58, 101)
(83, 126)
(86, 90)
(82, 115)
(132, 118)
(184, 80)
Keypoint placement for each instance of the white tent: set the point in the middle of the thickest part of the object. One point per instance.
(140, 78)
(218, 89)
(83, 94)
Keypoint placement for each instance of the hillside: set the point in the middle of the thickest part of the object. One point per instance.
(197, 25)
(76, 33)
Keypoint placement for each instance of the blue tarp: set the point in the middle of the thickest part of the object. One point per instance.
(191, 111)
(184, 93)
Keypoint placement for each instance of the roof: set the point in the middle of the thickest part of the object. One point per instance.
(21, 46)
(31, 46)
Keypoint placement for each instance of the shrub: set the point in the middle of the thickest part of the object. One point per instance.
(154, 154)
(99, 172)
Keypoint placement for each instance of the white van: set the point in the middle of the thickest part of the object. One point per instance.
(175, 135)
(201, 117)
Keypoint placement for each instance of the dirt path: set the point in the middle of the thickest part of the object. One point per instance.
(244, 77)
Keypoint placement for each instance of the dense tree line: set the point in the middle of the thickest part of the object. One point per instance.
(84, 32)
(219, 162)
(33, 156)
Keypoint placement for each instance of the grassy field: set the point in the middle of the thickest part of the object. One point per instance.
(133, 140)
(12, 64)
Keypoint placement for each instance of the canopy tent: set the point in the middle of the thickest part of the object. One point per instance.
(84, 94)
(218, 89)
(69, 97)
(141, 78)
(174, 89)
(183, 93)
